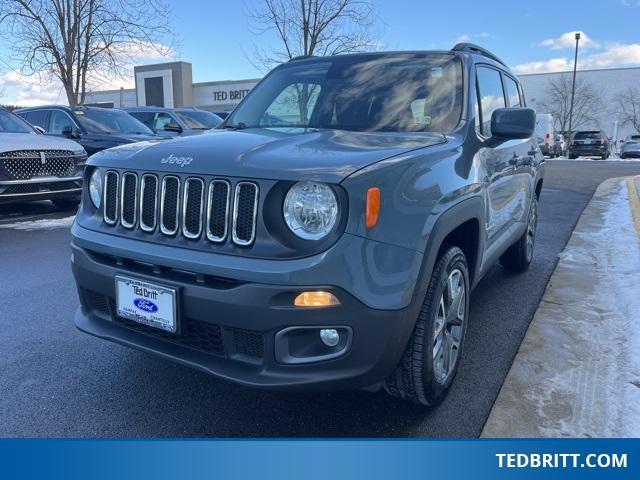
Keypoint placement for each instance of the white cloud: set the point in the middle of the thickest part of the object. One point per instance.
(568, 40)
(611, 55)
(40, 89)
(465, 37)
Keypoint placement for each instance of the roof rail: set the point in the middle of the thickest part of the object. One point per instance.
(473, 48)
(300, 57)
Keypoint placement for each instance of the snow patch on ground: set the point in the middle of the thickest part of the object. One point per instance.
(612, 158)
(44, 224)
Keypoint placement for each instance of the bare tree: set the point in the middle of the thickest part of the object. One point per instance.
(75, 39)
(586, 106)
(313, 27)
(627, 104)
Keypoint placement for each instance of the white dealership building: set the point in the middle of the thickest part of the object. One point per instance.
(171, 85)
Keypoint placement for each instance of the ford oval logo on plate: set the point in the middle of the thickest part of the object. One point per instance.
(145, 305)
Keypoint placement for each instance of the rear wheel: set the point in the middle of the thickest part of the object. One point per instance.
(430, 362)
(519, 255)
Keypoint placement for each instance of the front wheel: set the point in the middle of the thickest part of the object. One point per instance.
(430, 361)
(519, 255)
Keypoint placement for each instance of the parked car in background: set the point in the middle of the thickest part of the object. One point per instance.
(171, 122)
(630, 147)
(545, 133)
(333, 249)
(222, 113)
(559, 145)
(95, 128)
(38, 167)
(588, 143)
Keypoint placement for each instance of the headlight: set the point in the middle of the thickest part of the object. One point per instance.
(95, 188)
(310, 210)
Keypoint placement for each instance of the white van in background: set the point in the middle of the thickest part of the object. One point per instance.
(544, 131)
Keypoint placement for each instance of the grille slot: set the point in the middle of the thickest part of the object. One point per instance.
(128, 197)
(192, 204)
(218, 202)
(245, 208)
(148, 201)
(111, 198)
(249, 343)
(169, 205)
(27, 164)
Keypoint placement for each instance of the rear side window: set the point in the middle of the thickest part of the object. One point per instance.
(490, 96)
(37, 118)
(513, 95)
(144, 117)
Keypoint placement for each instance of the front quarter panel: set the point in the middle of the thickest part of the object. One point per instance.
(416, 188)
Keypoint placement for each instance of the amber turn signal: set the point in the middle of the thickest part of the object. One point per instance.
(316, 299)
(373, 207)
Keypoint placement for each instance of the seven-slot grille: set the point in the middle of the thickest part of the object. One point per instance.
(27, 164)
(190, 207)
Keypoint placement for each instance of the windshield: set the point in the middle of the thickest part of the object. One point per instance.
(199, 119)
(634, 138)
(10, 123)
(103, 120)
(382, 93)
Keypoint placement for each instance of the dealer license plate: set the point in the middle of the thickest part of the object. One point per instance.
(147, 303)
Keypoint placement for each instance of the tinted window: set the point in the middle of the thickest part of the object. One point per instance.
(59, 121)
(105, 120)
(162, 120)
(491, 96)
(199, 119)
(37, 118)
(399, 92)
(144, 117)
(513, 95)
(13, 124)
(587, 136)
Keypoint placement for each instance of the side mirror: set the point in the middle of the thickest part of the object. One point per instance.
(511, 124)
(39, 129)
(70, 132)
(173, 127)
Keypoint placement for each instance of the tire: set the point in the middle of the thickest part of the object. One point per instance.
(519, 255)
(419, 378)
(623, 156)
(66, 203)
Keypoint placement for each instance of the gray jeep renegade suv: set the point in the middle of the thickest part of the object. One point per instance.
(328, 235)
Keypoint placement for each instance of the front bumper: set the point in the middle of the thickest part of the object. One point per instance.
(40, 189)
(228, 327)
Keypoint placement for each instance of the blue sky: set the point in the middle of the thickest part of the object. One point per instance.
(214, 35)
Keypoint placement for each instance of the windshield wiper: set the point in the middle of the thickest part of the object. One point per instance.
(238, 126)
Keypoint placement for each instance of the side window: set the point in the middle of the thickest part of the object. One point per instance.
(58, 121)
(162, 120)
(37, 118)
(513, 95)
(144, 117)
(293, 106)
(491, 96)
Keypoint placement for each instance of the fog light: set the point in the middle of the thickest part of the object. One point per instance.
(329, 336)
(316, 299)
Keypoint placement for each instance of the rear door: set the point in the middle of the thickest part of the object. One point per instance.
(505, 190)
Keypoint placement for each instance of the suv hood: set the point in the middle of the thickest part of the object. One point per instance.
(324, 155)
(34, 141)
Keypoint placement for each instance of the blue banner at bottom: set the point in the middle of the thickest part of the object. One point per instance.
(318, 459)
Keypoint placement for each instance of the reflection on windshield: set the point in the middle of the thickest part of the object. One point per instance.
(9, 123)
(384, 93)
(110, 121)
(199, 119)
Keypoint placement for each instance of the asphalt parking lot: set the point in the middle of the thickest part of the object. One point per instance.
(57, 382)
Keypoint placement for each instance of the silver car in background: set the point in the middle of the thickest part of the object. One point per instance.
(630, 147)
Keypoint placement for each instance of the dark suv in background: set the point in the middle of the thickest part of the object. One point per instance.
(588, 143)
(171, 122)
(37, 167)
(328, 235)
(94, 128)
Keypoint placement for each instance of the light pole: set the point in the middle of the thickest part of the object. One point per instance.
(573, 85)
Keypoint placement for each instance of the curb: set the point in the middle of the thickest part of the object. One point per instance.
(577, 371)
